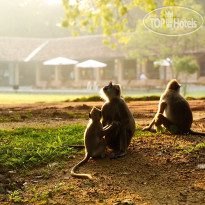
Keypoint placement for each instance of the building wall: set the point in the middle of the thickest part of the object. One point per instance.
(4, 74)
(27, 74)
(123, 71)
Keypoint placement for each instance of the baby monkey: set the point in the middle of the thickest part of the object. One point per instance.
(94, 142)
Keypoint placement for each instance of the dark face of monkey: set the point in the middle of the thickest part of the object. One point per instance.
(110, 91)
(174, 85)
(95, 114)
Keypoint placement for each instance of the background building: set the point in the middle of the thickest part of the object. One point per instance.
(21, 64)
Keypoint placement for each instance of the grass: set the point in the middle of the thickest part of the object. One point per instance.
(41, 198)
(197, 149)
(192, 94)
(14, 98)
(24, 148)
(18, 98)
(31, 147)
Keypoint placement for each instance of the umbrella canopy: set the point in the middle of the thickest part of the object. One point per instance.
(164, 62)
(60, 61)
(91, 64)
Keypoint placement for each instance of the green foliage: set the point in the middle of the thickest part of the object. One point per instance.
(139, 133)
(16, 197)
(199, 149)
(2, 119)
(97, 98)
(193, 98)
(111, 16)
(123, 19)
(127, 98)
(143, 98)
(156, 47)
(88, 99)
(186, 65)
(160, 129)
(28, 147)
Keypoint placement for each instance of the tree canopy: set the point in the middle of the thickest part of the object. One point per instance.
(123, 20)
(186, 65)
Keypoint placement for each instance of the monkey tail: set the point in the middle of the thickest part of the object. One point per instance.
(196, 133)
(78, 165)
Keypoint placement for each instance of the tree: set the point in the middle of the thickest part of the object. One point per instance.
(153, 46)
(115, 18)
(110, 16)
(185, 65)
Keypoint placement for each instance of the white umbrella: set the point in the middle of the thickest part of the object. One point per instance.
(60, 61)
(163, 62)
(57, 62)
(91, 64)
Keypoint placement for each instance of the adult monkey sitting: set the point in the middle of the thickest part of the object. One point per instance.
(174, 112)
(115, 109)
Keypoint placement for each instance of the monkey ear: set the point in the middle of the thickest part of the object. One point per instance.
(89, 115)
(117, 90)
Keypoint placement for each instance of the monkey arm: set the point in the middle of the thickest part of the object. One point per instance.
(105, 109)
(162, 107)
(124, 118)
(108, 128)
(103, 122)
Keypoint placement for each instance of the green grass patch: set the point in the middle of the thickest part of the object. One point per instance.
(140, 133)
(87, 99)
(127, 98)
(142, 98)
(96, 98)
(18, 98)
(198, 149)
(30, 147)
(192, 94)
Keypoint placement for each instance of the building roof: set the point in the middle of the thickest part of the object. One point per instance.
(77, 48)
(17, 49)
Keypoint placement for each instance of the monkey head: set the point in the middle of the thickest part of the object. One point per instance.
(110, 91)
(95, 114)
(173, 85)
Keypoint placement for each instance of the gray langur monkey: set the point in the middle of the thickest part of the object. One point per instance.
(115, 109)
(93, 140)
(174, 112)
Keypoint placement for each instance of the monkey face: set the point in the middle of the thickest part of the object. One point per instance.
(110, 91)
(174, 85)
(95, 114)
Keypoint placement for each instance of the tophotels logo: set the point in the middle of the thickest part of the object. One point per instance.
(173, 21)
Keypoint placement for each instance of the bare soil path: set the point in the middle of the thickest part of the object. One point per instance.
(156, 170)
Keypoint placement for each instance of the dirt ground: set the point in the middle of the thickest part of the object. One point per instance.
(154, 171)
